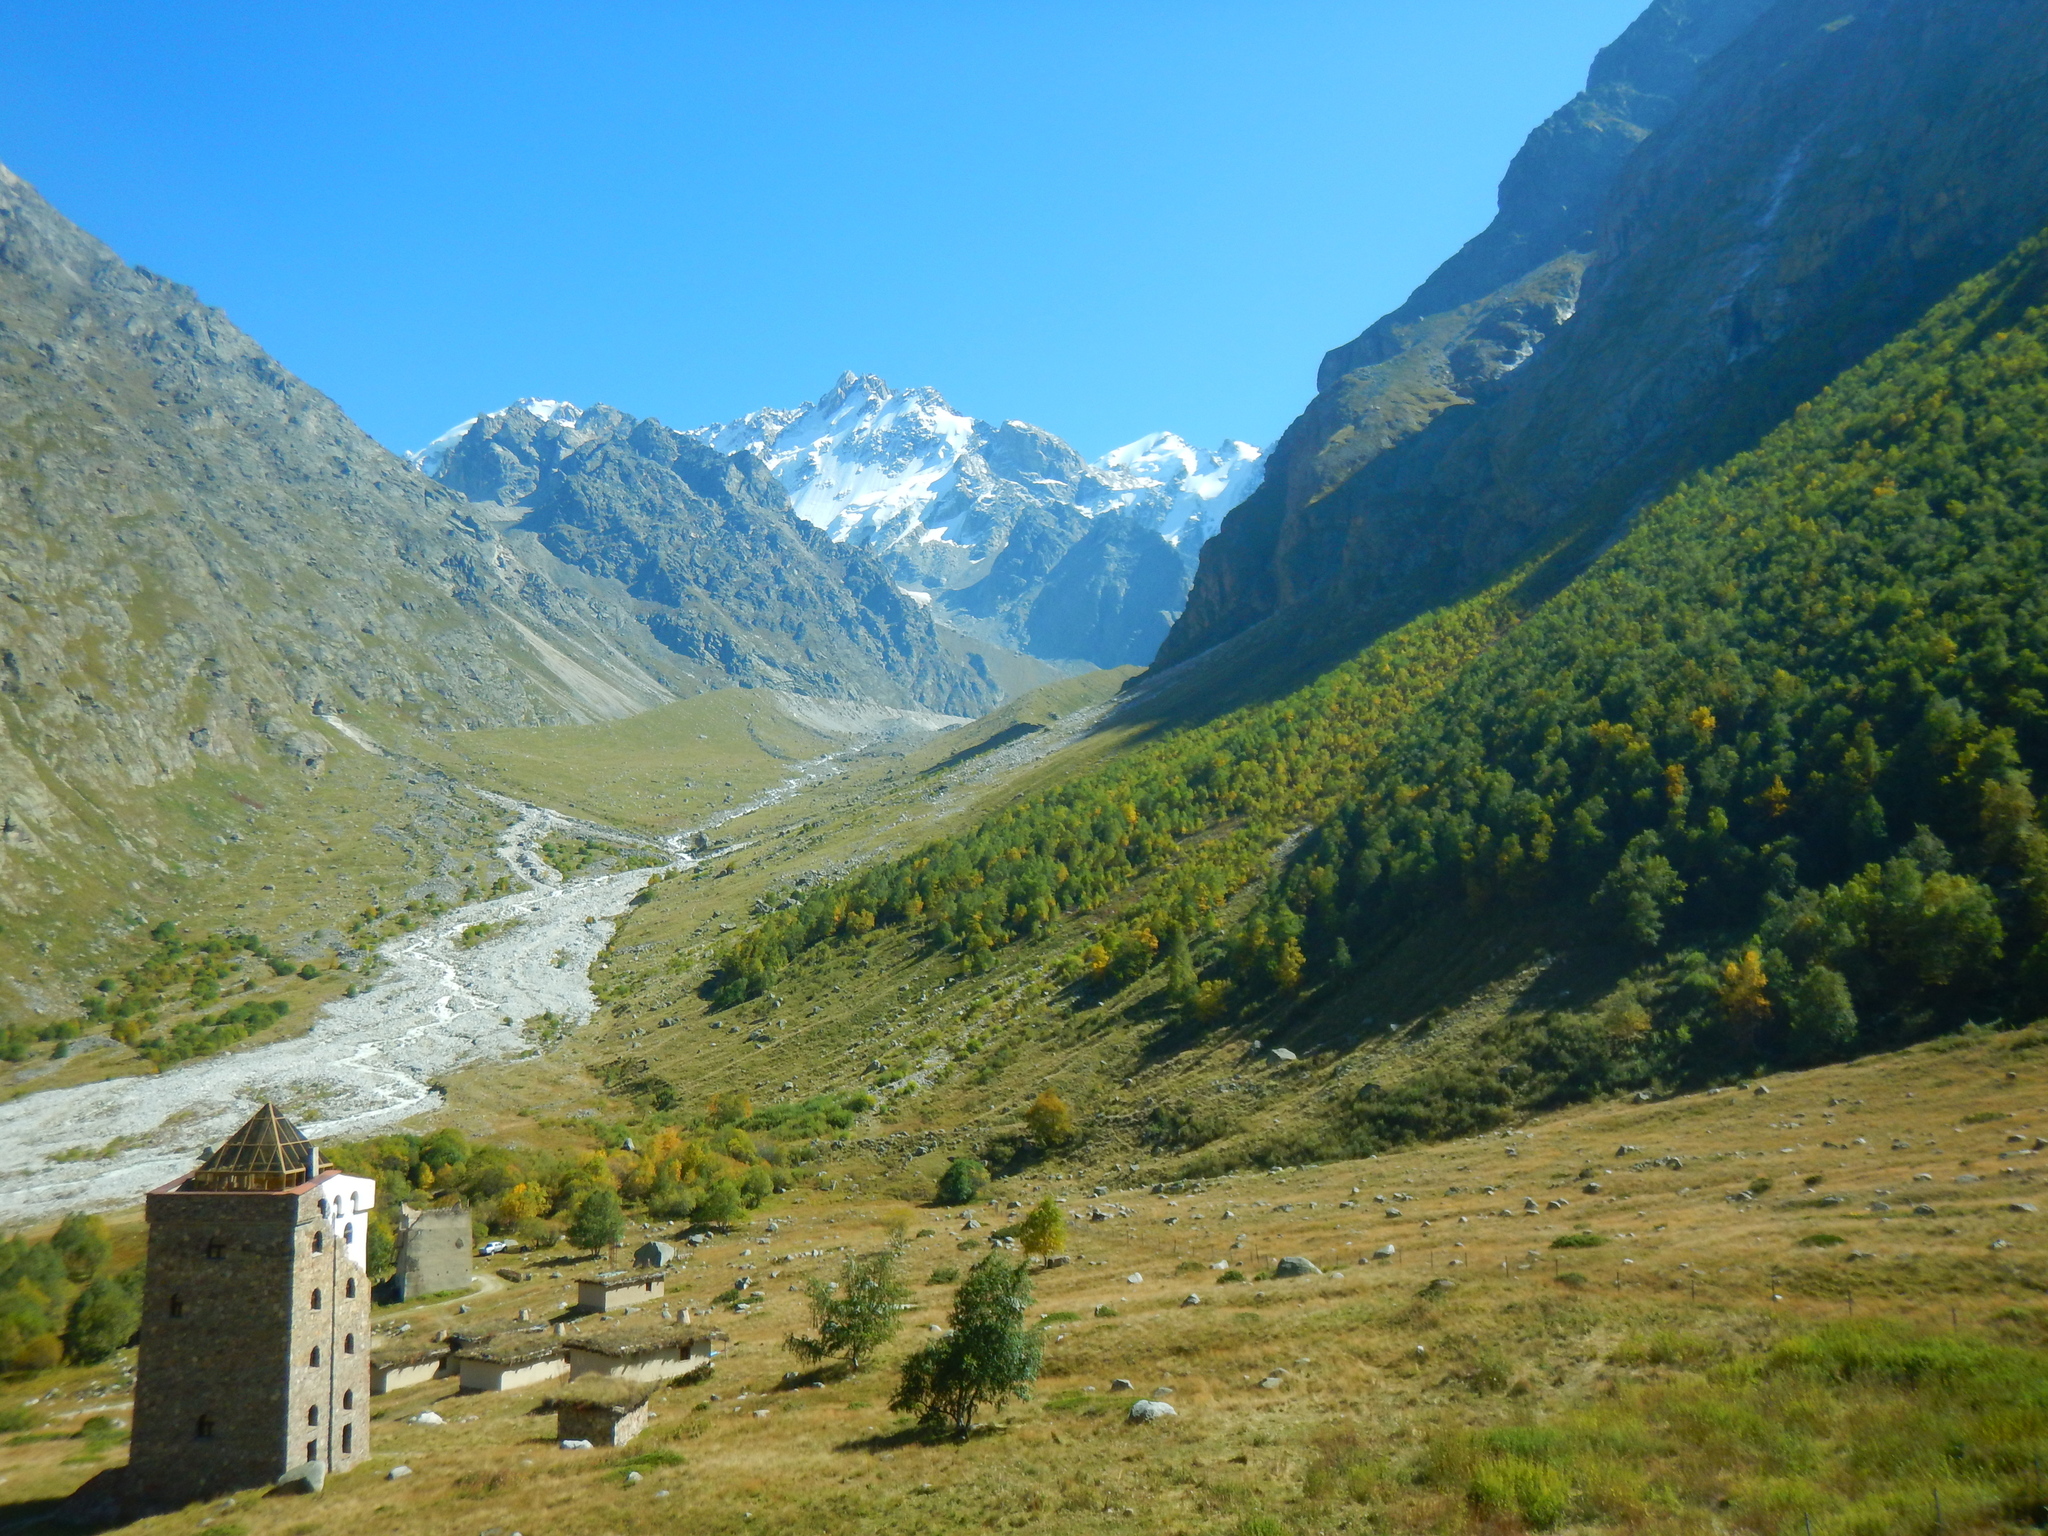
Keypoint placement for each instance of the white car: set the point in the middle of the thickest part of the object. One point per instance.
(495, 1245)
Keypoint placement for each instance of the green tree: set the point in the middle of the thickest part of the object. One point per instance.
(1043, 1232)
(963, 1180)
(82, 1243)
(988, 1354)
(103, 1318)
(1182, 987)
(1050, 1122)
(670, 1200)
(380, 1247)
(1820, 1010)
(757, 1186)
(598, 1222)
(859, 1316)
(721, 1205)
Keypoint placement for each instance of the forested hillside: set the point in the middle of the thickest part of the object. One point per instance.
(1777, 743)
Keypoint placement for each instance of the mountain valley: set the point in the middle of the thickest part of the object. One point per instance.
(1489, 961)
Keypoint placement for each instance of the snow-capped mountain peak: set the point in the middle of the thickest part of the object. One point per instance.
(1177, 488)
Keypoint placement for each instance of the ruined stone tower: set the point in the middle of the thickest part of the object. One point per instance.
(255, 1342)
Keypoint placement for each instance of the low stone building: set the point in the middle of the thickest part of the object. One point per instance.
(510, 1361)
(635, 1354)
(400, 1366)
(621, 1288)
(433, 1251)
(602, 1412)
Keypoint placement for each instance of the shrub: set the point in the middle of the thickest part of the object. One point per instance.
(1578, 1240)
(945, 1274)
(988, 1355)
(963, 1180)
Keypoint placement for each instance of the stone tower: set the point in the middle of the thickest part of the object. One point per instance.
(255, 1341)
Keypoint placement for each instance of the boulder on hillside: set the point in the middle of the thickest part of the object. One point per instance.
(1294, 1267)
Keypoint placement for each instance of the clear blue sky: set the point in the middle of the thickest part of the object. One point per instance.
(1102, 217)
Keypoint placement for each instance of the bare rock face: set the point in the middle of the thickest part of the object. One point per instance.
(713, 561)
(1748, 198)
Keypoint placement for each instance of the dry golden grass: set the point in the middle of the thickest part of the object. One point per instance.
(1383, 1370)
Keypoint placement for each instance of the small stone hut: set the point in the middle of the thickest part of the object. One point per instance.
(407, 1365)
(602, 1412)
(635, 1354)
(509, 1361)
(618, 1288)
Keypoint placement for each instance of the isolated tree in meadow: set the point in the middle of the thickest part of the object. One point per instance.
(858, 1317)
(598, 1223)
(102, 1319)
(963, 1180)
(1043, 1232)
(721, 1205)
(1050, 1122)
(989, 1353)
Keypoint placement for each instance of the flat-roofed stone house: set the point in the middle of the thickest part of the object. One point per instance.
(396, 1367)
(635, 1354)
(620, 1288)
(510, 1361)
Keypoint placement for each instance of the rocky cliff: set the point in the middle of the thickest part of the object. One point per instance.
(1748, 198)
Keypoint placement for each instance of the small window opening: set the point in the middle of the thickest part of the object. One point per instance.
(348, 1439)
(177, 1306)
(312, 1450)
(319, 1241)
(312, 1417)
(316, 1301)
(203, 1430)
(348, 1399)
(349, 1289)
(348, 1344)
(314, 1359)
(216, 1248)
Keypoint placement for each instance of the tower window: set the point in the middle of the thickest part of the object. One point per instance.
(177, 1306)
(348, 1344)
(216, 1248)
(319, 1240)
(203, 1430)
(312, 1450)
(348, 1439)
(314, 1359)
(348, 1400)
(348, 1233)
(312, 1417)
(316, 1301)
(349, 1288)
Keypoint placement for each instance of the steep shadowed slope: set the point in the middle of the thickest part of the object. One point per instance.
(1826, 176)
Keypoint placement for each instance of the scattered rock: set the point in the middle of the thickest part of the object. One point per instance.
(1591, 1187)
(1878, 1205)
(2021, 1206)
(1134, 1278)
(397, 1472)
(632, 1478)
(1122, 1384)
(1191, 1300)
(306, 1477)
(1294, 1267)
(1923, 1210)
(428, 1417)
(575, 1445)
(1384, 1251)
(1144, 1411)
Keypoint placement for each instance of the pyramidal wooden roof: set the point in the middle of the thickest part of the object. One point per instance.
(269, 1153)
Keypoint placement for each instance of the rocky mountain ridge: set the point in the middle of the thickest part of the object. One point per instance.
(993, 524)
(1748, 198)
